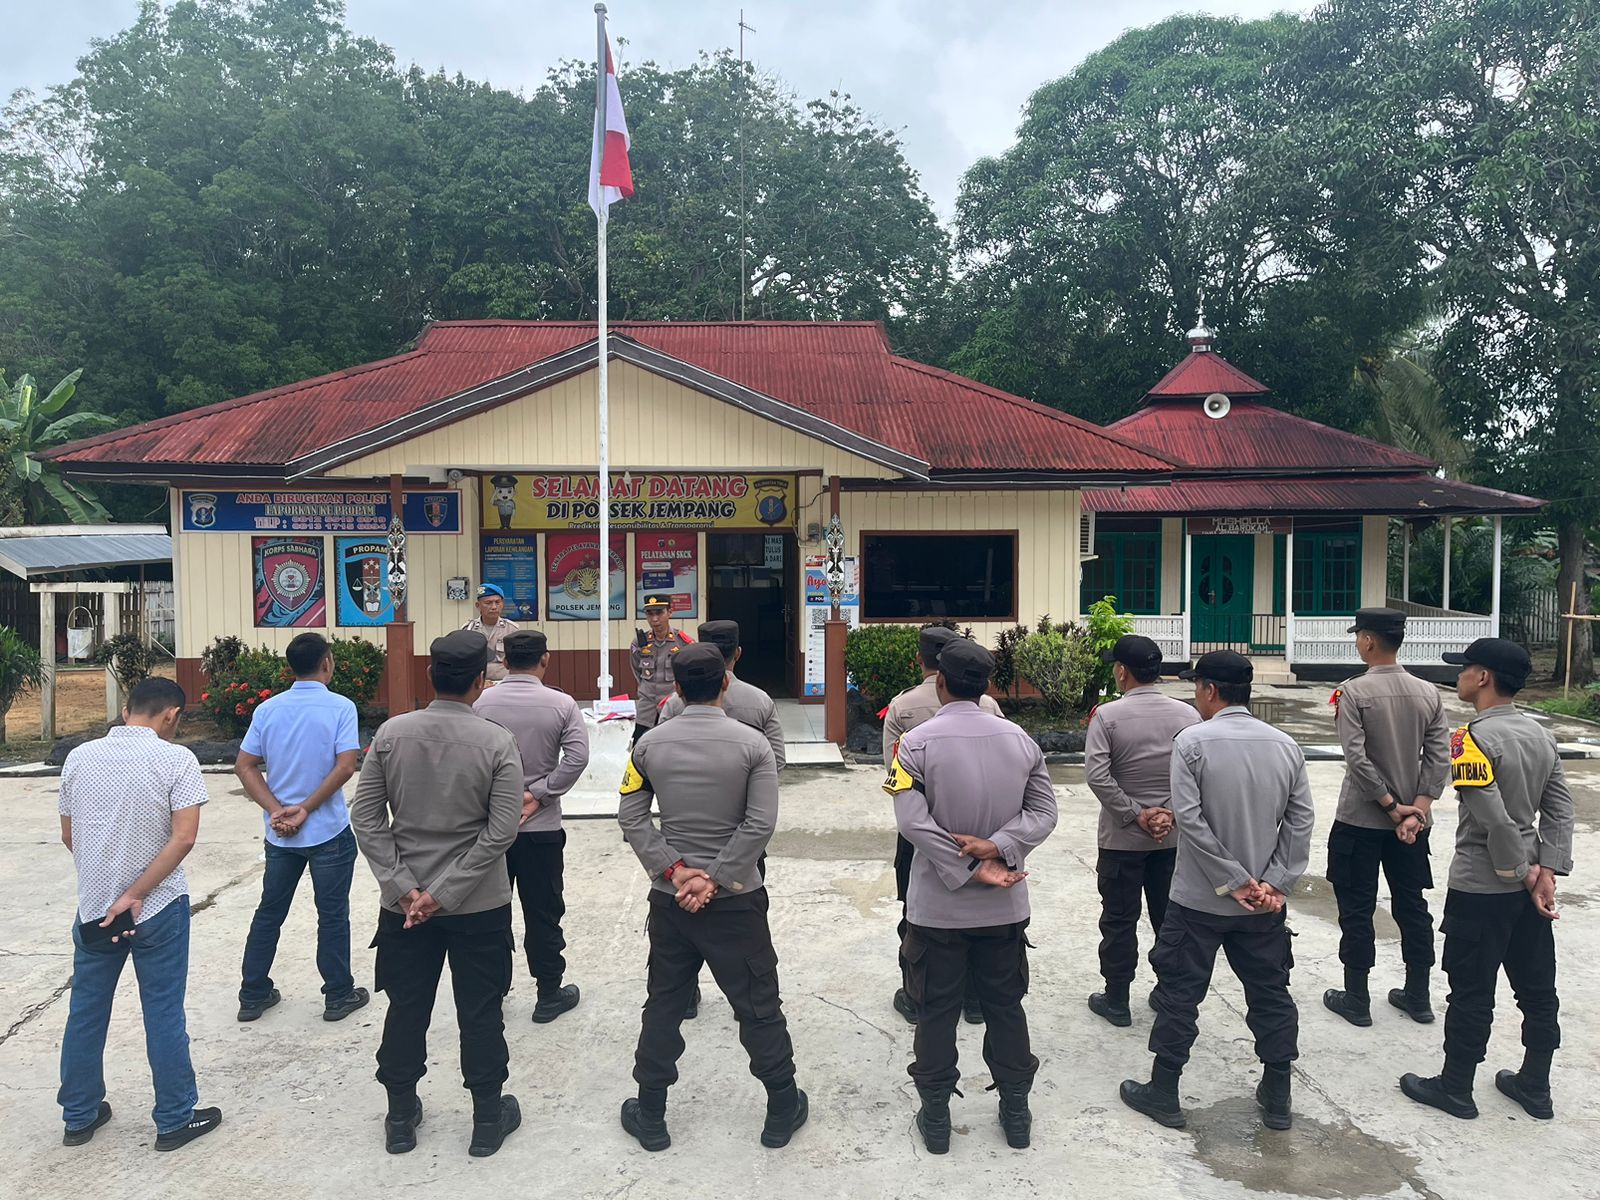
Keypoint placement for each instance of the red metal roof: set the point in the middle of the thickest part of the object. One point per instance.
(1394, 495)
(842, 372)
(1257, 437)
(1204, 372)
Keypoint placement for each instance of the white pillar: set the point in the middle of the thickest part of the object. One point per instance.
(1187, 590)
(47, 660)
(111, 605)
(1444, 599)
(1494, 587)
(1288, 595)
(1405, 560)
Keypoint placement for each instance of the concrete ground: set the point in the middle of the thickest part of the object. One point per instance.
(303, 1114)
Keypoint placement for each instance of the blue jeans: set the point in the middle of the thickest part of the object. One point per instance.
(160, 951)
(333, 865)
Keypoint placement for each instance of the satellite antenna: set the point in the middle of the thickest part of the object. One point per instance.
(1217, 405)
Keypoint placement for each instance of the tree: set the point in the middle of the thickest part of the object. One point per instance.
(20, 671)
(1484, 116)
(1408, 408)
(39, 491)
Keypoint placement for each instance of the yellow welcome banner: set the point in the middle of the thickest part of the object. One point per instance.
(639, 500)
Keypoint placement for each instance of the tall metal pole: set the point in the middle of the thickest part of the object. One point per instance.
(744, 276)
(603, 681)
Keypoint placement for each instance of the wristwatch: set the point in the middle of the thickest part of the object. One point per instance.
(667, 874)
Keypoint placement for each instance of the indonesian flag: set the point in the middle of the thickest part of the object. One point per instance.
(610, 175)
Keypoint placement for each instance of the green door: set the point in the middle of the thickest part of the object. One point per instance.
(1223, 589)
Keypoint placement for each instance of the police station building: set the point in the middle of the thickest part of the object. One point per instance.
(732, 445)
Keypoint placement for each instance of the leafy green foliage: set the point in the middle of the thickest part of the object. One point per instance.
(357, 669)
(20, 670)
(882, 660)
(38, 490)
(1005, 659)
(1060, 666)
(128, 657)
(1103, 626)
(243, 678)
(221, 654)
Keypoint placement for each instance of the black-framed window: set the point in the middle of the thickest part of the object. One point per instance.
(1127, 565)
(910, 577)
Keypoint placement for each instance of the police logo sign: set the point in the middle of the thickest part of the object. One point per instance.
(288, 583)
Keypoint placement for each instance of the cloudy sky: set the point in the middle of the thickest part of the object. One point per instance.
(950, 75)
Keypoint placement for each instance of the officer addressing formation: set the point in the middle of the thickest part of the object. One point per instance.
(1205, 816)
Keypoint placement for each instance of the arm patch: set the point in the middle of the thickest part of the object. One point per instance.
(899, 779)
(632, 781)
(1469, 765)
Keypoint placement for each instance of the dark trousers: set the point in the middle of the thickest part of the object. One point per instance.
(409, 963)
(1258, 950)
(730, 936)
(534, 863)
(1355, 856)
(1482, 933)
(903, 851)
(1124, 877)
(941, 963)
(332, 867)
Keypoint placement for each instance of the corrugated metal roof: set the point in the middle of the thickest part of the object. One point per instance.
(56, 553)
(1393, 495)
(1204, 372)
(1256, 436)
(841, 372)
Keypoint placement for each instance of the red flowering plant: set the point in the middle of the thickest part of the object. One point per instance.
(232, 695)
(357, 670)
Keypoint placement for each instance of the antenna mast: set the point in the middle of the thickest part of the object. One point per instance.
(743, 94)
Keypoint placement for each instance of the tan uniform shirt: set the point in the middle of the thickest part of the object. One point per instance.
(496, 636)
(965, 770)
(1396, 742)
(437, 806)
(914, 706)
(550, 736)
(1127, 763)
(1507, 772)
(717, 788)
(652, 667)
(746, 704)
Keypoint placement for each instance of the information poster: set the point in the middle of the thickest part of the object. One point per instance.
(819, 608)
(668, 563)
(289, 588)
(363, 565)
(573, 574)
(510, 561)
(317, 512)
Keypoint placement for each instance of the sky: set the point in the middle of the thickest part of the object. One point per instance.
(950, 76)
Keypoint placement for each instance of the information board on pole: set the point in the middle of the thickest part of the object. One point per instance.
(819, 609)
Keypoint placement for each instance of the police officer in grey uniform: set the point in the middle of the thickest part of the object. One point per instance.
(744, 702)
(1242, 806)
(971, 793)
(651, 656)
(1127, 762)
(1397, 757)
(492, 624)
(1501, 904)
(905, 712)
(717, 788)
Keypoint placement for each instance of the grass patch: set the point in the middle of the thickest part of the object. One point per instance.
(1584, 708)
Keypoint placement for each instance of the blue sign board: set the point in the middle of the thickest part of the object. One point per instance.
(511, 562)
(317, 512)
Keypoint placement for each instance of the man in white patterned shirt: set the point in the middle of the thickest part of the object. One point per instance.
(130, 812)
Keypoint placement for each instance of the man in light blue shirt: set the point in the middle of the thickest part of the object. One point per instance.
(306, 738)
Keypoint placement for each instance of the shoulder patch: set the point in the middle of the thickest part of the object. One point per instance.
(899, 779)
(1338, 694)
(632, 781)
(1469, 765)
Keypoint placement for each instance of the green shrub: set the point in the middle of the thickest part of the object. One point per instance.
(1005, 659)
(882, 661)
(20, 670)
(357, 670)
(128, 657)
(1105, 625)
(1059, 664)
(218, 658)
(231, 696)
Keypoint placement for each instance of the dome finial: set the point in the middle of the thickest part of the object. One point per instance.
(1201, 336)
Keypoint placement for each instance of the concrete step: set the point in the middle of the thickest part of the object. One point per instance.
(1271, 670)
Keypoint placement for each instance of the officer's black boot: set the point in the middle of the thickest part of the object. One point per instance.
(933, 1119)
(495, 1117)
(1272, 1094)
(1157, 1099)
(1530, 1087)
(1015, 1116)
(787, 1110)
(1353, 1003)
(904, 1006)
(646, 1118)
(1449, 1092)
(400, 1125)
(1413, 998)
(1112, 1004)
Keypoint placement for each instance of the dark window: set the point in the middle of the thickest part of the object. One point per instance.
(1327, 572)
(1127, 566)
(970, 576)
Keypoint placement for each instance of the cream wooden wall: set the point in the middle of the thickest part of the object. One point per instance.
(1172, 598)
(1374, 561)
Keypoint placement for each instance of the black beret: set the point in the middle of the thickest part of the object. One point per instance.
(932, 640)
(462, 650)
(1500, 655)
(724, 635)
(527, 641)
(698, 663)
(966, 664)
(1134, 650)
(1221, 666)
(1390, 622)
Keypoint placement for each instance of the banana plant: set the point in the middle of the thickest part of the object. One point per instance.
(29, 424)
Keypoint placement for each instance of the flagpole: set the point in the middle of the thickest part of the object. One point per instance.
(603, 704)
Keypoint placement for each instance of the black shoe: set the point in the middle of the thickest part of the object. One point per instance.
(400, 1135)
(1416, 1007)
(555, 1003)
(1015, 1116)
(972, 1011)
(650, 1131)
(488, 1135)
(1357, 1012)
(903, 1006)
(933, 1120)
(251, 1010)
(82, 1137)
(780, 1127)
(1159, 1106)
(1274, 1104)
(693, 1010)
(1102, 1005)
(202, 1122)
(1536, 1104)
(338, 1010)
(1431, 1092)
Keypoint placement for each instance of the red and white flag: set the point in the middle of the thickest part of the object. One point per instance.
(610, 175)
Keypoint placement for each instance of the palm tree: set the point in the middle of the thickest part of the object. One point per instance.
(1409, 408)
(40, 488)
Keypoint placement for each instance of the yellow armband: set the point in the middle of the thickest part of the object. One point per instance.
(1469, 765)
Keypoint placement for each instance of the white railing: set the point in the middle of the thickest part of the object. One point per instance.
(1169, 632)
(1327, 639)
